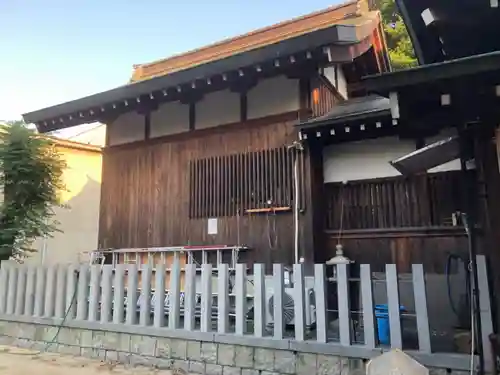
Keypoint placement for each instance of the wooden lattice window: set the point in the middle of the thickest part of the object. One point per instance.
(395, 202)
(226, 185)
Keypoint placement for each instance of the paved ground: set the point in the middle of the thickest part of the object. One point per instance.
(15, 361)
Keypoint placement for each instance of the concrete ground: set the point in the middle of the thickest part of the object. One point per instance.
(16, 361)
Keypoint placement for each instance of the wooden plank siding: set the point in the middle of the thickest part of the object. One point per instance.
(400, 220)
(149, 193)
(323, 96)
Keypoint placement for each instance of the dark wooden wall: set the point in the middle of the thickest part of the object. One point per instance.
(145, 200)
(323, 96)
(401, 220)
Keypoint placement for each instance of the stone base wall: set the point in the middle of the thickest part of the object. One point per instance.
(190, 355)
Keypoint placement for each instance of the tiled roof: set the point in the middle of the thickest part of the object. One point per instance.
(347, 13)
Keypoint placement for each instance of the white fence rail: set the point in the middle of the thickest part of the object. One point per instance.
(251, 304)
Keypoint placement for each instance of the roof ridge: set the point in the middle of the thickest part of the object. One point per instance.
(138, 68)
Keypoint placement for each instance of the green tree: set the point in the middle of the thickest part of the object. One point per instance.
(398, 41)
(31, 178)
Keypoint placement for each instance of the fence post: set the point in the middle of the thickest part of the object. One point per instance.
(39, 290)
(50, 292)
(222, 298)
(95, 289)
(420, 295)
(159, 307)
(278, 295)
(343, 295)
(60, 291)
(320, 296)
(174, 294)
(259, 303)
(391, 277)
(241, 298)
(71, 290)
(30, 291)
(367, 303)
(189, 297)
(119, 294)
(206, 298)
(21, 290)
(132, 276)
(106, 293)
(4, 283)
(145, 306)
(299, 303)
(11, 294)
(485, 312)
(83, 292)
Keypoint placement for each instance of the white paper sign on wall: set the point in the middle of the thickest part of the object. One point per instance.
(212, 226)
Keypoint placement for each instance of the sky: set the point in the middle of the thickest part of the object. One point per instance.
(53, 51)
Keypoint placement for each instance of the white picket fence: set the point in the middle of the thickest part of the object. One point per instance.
(101, 293)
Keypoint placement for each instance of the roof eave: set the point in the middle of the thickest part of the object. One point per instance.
(343, 36)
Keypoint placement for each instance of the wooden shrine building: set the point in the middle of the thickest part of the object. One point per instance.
(202, 147)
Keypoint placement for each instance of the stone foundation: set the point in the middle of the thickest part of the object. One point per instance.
(211, 356)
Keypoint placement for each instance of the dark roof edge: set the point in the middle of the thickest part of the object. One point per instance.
(382, 83)
(344, 35)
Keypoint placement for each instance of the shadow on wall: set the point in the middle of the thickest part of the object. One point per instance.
(79, 224)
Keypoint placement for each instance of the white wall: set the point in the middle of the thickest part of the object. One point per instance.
(370, 159)
(127, 128)
(273, 96)
(218, 108)
(336, 76)
(170, 118)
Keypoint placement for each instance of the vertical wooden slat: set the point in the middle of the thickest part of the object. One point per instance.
(132, 276)
(235, 181)
(189, 297)
(60, 291)
(206, 298)
(344, 304)
(119, 294)
(288, 175)
(222, 298)
(21, 290)
(4, 283)
(199, 187)
(145, 306)
(259, 302)
(299, 301)
(209, 188)
(278, 292)
(248, 180)
(106, 293)
(83, 292)
(367, 303)
(420, 295)
(174, 294)
(320, 297)
(30, 291)
(391, 277)
(95, 286)
(192, 189)
(485, 312)
(273, 176)
(263, 168)
(241, 298)
(11, 292)
(159, 302)
(217, 187)
(71, 292)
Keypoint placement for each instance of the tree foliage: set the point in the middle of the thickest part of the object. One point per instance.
(398, 41)
(31, 177)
